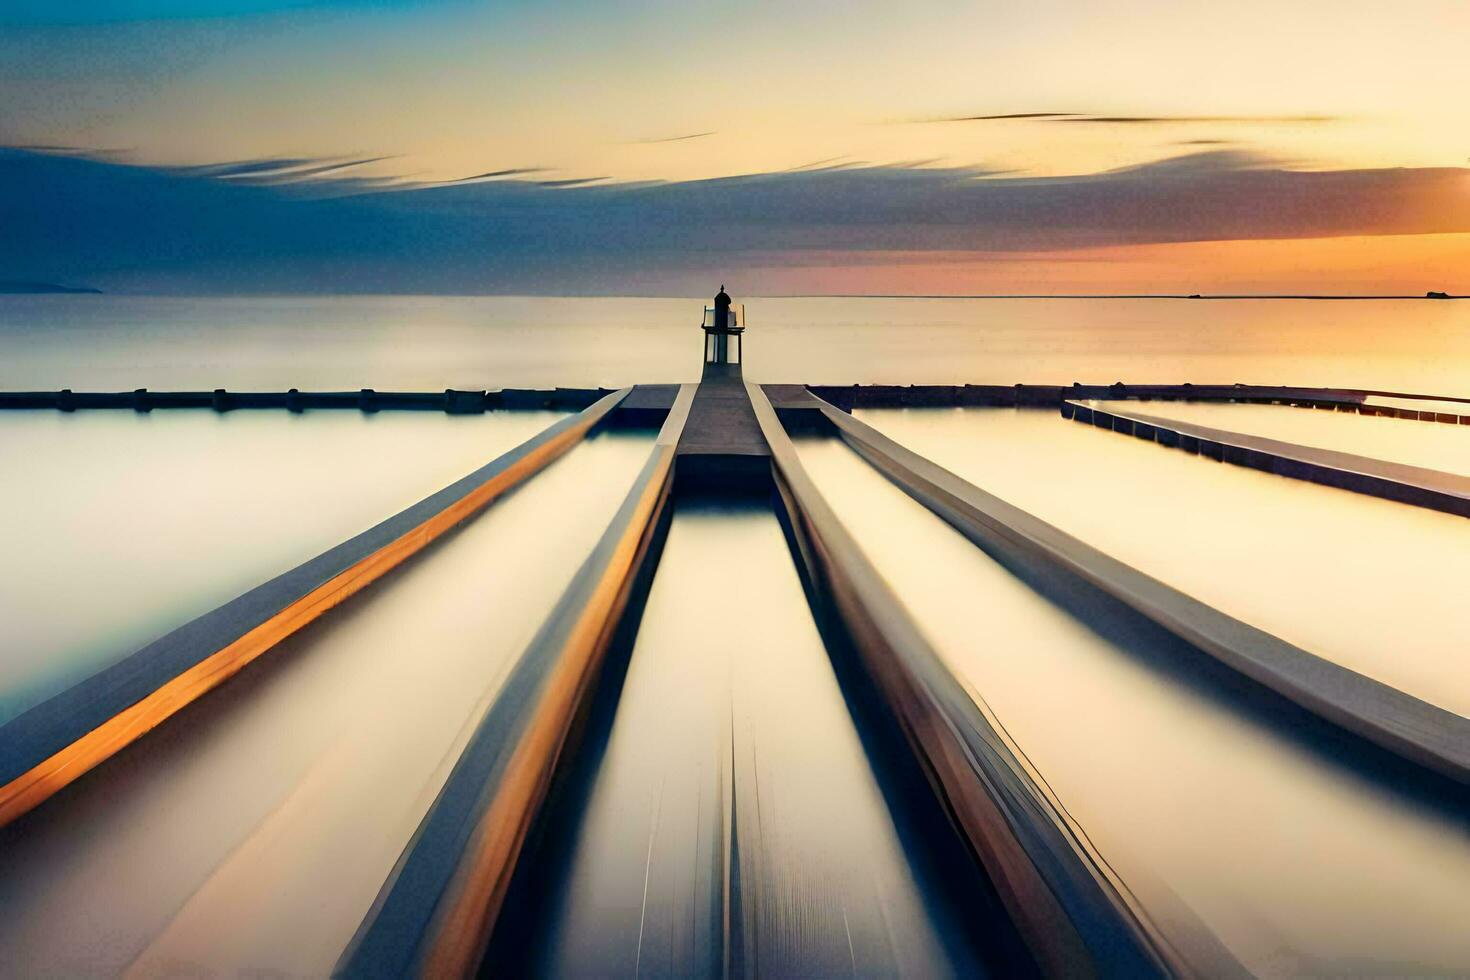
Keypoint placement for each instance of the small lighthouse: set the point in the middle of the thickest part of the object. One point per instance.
(724, 323)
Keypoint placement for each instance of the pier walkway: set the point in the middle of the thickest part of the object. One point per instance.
(722, 446)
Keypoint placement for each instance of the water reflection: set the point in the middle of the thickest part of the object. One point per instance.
(1375, 585)
(251, 833)
(734, 768)
(428, 343)
(1300, 864)
(1434, 446)
(131, 525)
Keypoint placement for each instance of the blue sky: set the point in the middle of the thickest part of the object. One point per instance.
(399, 93)
(108, 11)
(456, 87)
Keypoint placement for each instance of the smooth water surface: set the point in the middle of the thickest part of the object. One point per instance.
(250, 834)
(1302, 861)
(1432, 445)
(120, 527)
(1375, 585)
(428, 343)
(733, 766)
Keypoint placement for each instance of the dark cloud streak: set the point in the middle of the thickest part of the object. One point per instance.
(129, 227)
(1093, 118)
(676, 139)
(496, 174)
(1177, 120)
(1005, 115)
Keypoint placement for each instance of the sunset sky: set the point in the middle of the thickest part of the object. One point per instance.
(395, 98)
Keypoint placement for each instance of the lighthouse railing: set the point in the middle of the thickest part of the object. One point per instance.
(737, 317)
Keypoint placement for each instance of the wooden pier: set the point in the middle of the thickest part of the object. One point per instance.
(1072, 915)
(722, 448)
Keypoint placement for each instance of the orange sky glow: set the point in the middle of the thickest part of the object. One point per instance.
(1376, 264)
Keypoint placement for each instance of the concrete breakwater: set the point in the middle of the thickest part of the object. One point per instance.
(1429, 408)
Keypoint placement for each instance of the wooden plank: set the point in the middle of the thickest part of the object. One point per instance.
(1418, 485)
(435, 913)
(1075, 915)
(722, 449)
(60, 739)
(1413, 729)
(721, 422)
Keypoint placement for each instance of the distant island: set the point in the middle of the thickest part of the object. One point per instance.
(1435, 294)
(12, 287)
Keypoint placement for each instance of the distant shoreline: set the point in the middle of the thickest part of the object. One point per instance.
(1204, 296)
(42, 289)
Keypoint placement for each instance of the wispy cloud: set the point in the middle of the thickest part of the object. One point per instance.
(1002, 115)
(496, 175)
(307, 170)
(826, 163)
(571, 182)
(1094, 118)
(63, 150)
(1226, 120)
(53, 148)
(676, 139)
(246, 168)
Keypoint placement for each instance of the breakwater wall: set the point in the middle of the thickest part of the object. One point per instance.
(850, 397)
(1429, 408)
(1417, 485)
(451, 401)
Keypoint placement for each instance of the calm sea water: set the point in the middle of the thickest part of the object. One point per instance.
(430, 343)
